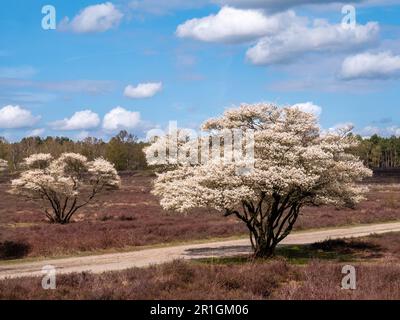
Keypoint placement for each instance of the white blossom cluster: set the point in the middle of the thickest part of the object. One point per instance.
(104, 172)
(3, 165)
(64, 184)
(170, 149)
(186, 147)
(292, 160)
(38, 160)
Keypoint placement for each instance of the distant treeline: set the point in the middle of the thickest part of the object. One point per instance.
(124, 150)
(379, 152)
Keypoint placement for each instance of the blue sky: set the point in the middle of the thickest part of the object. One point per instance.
(135, 65)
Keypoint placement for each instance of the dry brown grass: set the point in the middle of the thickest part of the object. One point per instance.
(176, 280)
(376, 259)
(132, 217)
(322, 281)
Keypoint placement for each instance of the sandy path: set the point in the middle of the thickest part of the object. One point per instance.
(146, 257)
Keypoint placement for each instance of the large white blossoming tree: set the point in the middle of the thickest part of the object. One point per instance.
(66, 184)
(295, 165)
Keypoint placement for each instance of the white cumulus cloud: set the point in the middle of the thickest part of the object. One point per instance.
(301, 39)
(369, 131)
(81, 120)
(14, 117)
(120, 118)
(309, 107)
(340, 127)
(162, 7)
(143, 90)
(82, 135)
(278, 5)
(36, 132)
(234, 25)
(382, 65)
(95, 18)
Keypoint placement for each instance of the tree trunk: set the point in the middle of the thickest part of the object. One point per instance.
(263, 249)
(62, 214)
(57, 218)
(268, 227)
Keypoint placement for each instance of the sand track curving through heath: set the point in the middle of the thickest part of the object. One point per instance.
(147, 257)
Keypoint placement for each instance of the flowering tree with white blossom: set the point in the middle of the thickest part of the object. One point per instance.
(295, 165)
(66, 184)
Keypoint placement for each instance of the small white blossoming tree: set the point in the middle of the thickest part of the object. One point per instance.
(3, 165)
(66, 184)
(295, 165)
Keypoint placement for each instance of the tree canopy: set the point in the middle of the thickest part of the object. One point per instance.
(66, 184)
(294, 165)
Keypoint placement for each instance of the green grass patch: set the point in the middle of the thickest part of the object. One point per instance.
(334, 250)
(302, 254)
(223, 260)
